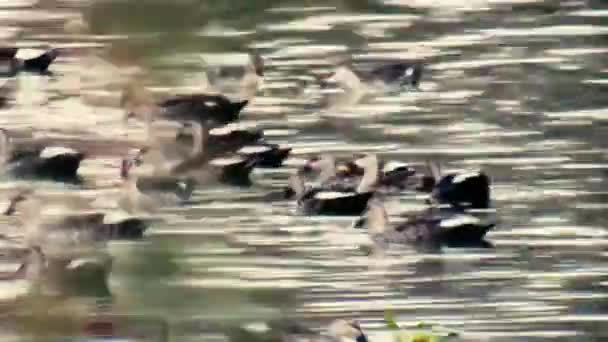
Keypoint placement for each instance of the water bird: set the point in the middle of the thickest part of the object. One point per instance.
(148, 193)
(85, 274)
(392, 174)
(213, 109)
(249, 78)
(10, 64)
(68, 224)
(465, 190)
(203, 163)
(425, 229)
(335, 198)
(404, 74)
(39, 162)
(246, 142)
(285, 330)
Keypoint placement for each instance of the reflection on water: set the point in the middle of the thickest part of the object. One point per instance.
(514, 87)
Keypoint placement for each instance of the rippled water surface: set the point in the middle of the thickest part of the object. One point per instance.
(515, 87)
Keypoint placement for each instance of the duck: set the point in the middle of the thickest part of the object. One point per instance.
(147, 193)
(266, 155)
(403, 74)
(286, 330)
(230, 136)
(56, 163)
(57, 275)
(10, 64)
(204, 163)
(393, 174)
(213, 109)
(68, 225)
(426, 229)
(250, 78)
(246, 142)
(335, 198)
(464, 190)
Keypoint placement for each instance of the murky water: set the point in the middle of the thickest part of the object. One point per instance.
(515, 87)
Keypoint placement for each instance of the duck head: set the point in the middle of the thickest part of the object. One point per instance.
(341, 328)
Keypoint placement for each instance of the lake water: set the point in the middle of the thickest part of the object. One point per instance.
(516, 87)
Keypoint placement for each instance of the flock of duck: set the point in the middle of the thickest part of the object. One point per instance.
(192, 142)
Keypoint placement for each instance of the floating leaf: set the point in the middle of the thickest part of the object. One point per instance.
(389, 319)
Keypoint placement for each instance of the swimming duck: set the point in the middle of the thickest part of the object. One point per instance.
(148, 193)
(335, 198)
(426, 229)
(403, 74)
(85, 274)
(392, 175)
(250, 78)
(288, 330)
(67, 225)
(206, 164)
(213, 109)
(49, 162)
(465, 190)
(229, 136)
(10, 65)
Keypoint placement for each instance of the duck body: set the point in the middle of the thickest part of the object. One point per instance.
(323, 202)
(216, 109)
(267, 155)
(54, 230)
(465, 190)
(50, 163)
(235, 170)
(401, 73)
(426, 229)
(392, 175)
(12, 65)
(146, 193)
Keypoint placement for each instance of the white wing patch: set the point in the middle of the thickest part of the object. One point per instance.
(459, 220)
(231, 127)
(52, 151)
(464, 176)
(254, 149)
(393, 165)
(226, 161)
(332, 194)
(409, 71)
